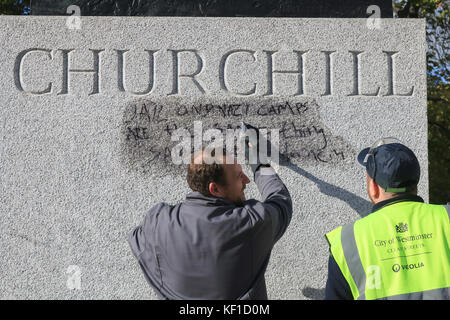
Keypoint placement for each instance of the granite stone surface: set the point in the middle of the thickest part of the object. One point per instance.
(88, 109)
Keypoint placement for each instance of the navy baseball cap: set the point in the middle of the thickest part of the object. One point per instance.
(392, 165)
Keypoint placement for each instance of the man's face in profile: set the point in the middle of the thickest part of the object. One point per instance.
(236, 182)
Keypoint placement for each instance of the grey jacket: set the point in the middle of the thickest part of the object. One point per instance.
(209, 248)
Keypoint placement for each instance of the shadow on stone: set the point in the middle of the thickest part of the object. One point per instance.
(313, 293)
(360, 205)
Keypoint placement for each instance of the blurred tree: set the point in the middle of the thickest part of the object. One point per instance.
(439, 142)
(14, 6)
(436, 14)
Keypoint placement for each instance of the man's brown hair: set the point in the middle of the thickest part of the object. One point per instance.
(200, 175)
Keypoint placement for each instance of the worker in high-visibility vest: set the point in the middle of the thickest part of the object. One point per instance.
(401, 250)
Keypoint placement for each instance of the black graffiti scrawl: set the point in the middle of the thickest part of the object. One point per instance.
(148, 125)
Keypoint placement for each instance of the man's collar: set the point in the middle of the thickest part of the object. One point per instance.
(199, 198)
(384, 203)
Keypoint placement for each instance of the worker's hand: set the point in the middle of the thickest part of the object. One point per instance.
(253, 142)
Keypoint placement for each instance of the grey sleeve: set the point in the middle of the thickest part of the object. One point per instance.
(276, 205)
(137, 238)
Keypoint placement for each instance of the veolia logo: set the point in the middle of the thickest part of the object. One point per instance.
(396, 267)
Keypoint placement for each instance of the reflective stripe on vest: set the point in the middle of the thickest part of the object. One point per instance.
(353, 259)
(379, 269)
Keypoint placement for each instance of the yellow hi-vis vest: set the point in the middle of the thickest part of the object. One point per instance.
(401, 251)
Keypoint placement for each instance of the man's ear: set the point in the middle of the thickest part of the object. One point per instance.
(374, 189)
(214, 190)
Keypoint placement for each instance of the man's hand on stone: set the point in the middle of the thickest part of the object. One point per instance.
(253, 142)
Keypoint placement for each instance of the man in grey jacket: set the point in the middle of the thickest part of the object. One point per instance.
(215, 244)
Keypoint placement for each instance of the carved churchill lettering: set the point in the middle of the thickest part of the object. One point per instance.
(18, 67)
(176, 71)
(67, 70)
(239, 72)
(357, 77)
(270, 72)
(391, 84)
(329, 75)
(121, 75)
(223, 72)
